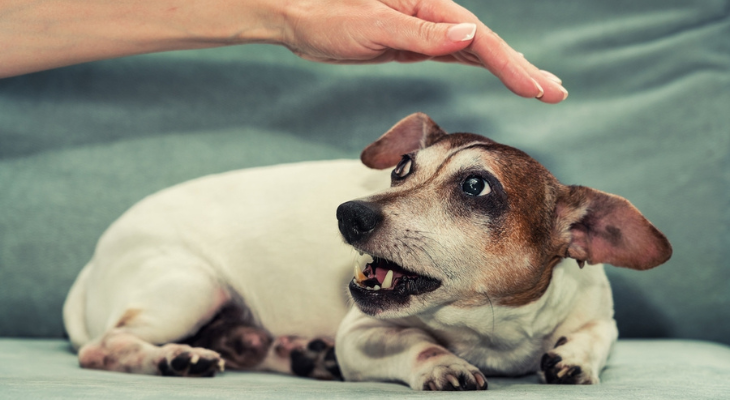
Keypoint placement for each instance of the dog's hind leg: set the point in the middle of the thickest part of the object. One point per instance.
(233, 335)
(244, 346)
(136, 323)
(120, 351)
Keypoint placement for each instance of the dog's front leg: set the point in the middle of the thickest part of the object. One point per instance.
(578, 357)
(369, 349)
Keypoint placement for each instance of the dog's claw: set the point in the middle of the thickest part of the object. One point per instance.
(183, 360)
(481, 381)
(555, 372)
(454, 381)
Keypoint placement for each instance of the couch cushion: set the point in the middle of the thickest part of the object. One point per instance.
(637, 369)
(647, 119)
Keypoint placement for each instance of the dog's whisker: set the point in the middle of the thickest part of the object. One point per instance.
(423, 250)
(491, 307)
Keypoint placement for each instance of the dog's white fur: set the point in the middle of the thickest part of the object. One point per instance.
(241, 233)
(268, 238)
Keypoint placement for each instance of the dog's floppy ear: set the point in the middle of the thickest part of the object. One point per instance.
(414, 132)
(600, 227)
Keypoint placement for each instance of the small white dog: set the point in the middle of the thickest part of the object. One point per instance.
(461, 270)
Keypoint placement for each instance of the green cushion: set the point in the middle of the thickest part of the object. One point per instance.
(647, 118)
(656, 369)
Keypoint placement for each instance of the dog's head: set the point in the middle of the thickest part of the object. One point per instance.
(468, 220)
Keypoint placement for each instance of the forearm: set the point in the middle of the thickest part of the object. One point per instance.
(43, 34)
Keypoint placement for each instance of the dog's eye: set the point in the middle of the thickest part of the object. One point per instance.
(403, 168)
(475, 186)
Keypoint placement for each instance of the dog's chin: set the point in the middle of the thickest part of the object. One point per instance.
(386, 288)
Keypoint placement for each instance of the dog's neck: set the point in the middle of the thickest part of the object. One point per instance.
(498, 325)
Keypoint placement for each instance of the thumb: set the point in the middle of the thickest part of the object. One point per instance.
(432, 39)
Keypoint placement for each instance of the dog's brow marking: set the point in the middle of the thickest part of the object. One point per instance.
(450, 156)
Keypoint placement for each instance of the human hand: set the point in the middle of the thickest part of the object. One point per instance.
(54, 33)
(377, 31)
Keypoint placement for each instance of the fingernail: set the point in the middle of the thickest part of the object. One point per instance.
(552, 77)
(542, 92)
(565, 92)
(462, 32)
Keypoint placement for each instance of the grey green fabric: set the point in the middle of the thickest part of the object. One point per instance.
(637, 370)
(648, 118)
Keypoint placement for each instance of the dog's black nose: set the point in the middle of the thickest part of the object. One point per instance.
(357, 219)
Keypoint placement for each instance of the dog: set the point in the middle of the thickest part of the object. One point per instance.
(469, 260)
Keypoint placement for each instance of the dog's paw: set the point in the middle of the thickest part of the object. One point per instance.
(183, 360)
(564, 366)
(313, 358)
(449, 373)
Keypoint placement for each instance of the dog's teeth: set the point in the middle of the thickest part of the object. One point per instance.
(194, 359)
(359, 276)
(376, 287)
(388, 281)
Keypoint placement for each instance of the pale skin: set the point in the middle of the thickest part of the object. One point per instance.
(36, 35)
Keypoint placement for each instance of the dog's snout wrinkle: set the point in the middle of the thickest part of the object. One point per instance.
(357, 219)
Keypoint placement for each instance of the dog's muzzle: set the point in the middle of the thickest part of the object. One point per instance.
(357, 220)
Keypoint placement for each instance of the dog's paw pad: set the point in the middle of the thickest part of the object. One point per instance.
(315, 359)
(191, 362)
(555, 371)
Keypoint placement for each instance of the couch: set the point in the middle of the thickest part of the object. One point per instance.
(648, 118)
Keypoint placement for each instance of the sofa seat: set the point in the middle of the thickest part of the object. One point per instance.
(637, 369)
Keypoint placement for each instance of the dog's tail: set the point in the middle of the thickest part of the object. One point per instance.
(74, 310)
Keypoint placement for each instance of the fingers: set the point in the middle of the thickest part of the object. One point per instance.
(486, 49)
(554, 92)
(415, 35)
(519, 75)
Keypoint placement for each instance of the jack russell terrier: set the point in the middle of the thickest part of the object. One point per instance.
(461, 270)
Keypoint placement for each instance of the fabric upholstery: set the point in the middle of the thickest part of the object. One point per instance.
(637, 370)
(647, 118)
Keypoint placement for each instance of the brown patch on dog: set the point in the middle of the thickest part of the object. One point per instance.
(524, 245)
(526, 291)
(430, 353)
(128, 316)
(413, 132)
(231, 334)
(608, 228)
(522, 229)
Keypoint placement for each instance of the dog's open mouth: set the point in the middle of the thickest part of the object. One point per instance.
(383, 283)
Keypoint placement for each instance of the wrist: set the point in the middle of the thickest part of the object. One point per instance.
(230, 22)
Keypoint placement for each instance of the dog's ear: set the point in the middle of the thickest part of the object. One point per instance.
(599, 227)
(414, 132)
